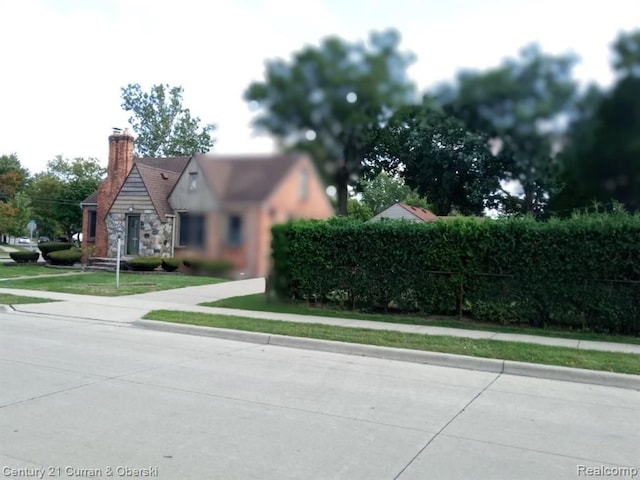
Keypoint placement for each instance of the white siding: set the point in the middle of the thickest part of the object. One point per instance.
(184, 199)
(396, 212)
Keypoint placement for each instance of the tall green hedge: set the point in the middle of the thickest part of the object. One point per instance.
(580, 273)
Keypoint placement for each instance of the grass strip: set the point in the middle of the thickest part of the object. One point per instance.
(515, 351)
(9, 299)
(258, 303)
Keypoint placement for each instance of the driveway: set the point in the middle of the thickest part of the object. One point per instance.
(91, 397)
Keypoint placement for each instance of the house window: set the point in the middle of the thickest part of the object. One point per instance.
(92, 224)
(193, 181)
(191, 230)
(234, 235)
(304, 184)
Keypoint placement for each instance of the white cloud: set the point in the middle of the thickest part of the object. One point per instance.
(65, 62)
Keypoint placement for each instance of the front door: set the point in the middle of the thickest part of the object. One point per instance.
(133, 234)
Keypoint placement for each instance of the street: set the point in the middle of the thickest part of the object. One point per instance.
(93, 398)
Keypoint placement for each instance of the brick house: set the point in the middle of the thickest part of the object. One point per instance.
(218, 207)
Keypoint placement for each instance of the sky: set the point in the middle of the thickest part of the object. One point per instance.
(64, 62)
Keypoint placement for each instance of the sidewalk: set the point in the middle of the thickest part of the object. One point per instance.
(130, 308)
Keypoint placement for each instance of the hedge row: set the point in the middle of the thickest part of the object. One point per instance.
(579, 273)
(195, 266)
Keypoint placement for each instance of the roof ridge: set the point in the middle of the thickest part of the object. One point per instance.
(165, 170)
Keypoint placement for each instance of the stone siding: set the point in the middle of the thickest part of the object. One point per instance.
(155, 236)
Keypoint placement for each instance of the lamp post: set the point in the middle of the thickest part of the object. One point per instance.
(118, 262)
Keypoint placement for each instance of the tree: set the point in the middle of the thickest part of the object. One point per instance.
(162, 125)
(56, 194)
(13, 176)
(385, 190)
(330, 99)
(520, 105)
(444, 161)
(603, 164)
(358, 210)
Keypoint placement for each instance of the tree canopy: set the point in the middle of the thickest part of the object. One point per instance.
(331, 99)
(163, 126)
(56, 193)
(519, 105)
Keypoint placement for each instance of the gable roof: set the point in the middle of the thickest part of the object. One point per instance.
(170, 164)
(159, 183)
(247, 178)
(421, 213)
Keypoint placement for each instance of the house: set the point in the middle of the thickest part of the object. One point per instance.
(212, 206)
(399, 211)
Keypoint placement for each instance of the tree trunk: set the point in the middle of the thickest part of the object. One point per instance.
(342, 185)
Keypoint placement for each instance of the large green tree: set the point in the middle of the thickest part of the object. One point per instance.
(329, 100)
(56, 193)
(603, 163)
(443, 160)
(163, 126)
(520, 105)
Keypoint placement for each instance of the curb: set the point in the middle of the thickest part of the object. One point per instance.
(6, 309)
(508, 367)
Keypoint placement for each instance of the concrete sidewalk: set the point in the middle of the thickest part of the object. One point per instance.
(133, 307)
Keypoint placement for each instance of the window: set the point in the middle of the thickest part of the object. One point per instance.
(304, 184)
(193, 181)
(234, 236)
(92, 224)
(191, 230)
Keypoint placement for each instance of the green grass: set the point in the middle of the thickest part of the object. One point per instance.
(8, 299)
(26, 270)
(258, 303)
(103, 283)
(516, 351)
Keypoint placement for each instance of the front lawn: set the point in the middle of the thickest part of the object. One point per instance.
(104, 283)
(26, 270)
(515, 351)
(8, 299)
(258, 302)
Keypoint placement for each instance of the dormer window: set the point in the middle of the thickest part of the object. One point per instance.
(193, 181)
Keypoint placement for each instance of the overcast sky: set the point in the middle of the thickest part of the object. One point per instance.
(64, 61)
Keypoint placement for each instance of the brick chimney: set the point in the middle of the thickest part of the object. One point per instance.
(118, 167)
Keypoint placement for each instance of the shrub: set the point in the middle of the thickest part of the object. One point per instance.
(144, 264)
(171, 264)
(199, 266)
(47, 247)
(65, 257)
(24, 257)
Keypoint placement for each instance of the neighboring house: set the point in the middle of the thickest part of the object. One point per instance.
(218, 207)
(400, 211)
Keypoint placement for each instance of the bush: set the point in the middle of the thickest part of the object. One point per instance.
(47, 247)
(24, 257)
(144, 264)
(171, 264)
(199, 266)
(65, 257)
(580, 273)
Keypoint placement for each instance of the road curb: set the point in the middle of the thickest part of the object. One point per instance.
(6, 309)
(508, 367)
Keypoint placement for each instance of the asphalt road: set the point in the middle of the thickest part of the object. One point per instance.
(90, 398)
